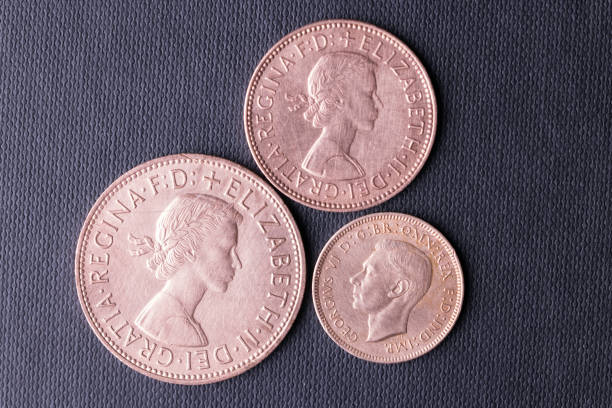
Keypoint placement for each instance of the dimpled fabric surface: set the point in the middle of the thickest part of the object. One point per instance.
(519, 181)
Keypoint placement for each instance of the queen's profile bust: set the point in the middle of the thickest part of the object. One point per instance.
(194, 251)
(342, 100)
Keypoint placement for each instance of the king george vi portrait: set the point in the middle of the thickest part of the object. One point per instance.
(394, 278)
(194, 251)
(341, 101)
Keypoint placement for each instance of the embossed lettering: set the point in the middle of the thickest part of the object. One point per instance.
(266, 118)
(98, 277)
(250, 341)
(287, 175)
(280, 279)
(283, 298)
(111, 317)
(119, 212)
(148, 349)
(263, 224)
(298, 47)
(332, 262)
(287, 63)
(110, 225)
(407, 83)
(116, 330)
(202, 359)
(418, 126)
(414, 97)
(275, 79)
(264, 102)
(375, 52)
(99, 260)
(275, 242)
(154, 183)
(401, 65)
(168, 357)
(222, 355)
(232, 187)
(244, 198)
(179, 178)
(104, 243)
(320, 42)
(331, 190)
(131, 337)
(411, 142)
(446, 270)
(268, 315)
(106, 301)
(378, 181)
(416, 112)
(278, 261)
(447, 300)
(136, 198)
(365, 42)
(264, 134)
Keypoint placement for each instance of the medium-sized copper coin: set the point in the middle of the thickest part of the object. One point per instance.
(387, 287)
(190, 269)
(340, 115)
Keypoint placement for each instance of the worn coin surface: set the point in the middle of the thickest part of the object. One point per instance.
(190, 269)
(387, 287)
(340, 115)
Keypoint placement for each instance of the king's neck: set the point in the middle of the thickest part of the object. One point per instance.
(388, 322)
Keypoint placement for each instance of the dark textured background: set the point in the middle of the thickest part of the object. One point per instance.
(519, 181)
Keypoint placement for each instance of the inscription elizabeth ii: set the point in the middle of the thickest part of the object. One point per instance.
(403, 299)
(228, 267)
(340, 115)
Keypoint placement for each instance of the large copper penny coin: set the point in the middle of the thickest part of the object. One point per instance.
(340, 115)
(387, 287)
(190, 269)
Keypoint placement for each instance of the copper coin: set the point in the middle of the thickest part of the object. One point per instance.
(340, 115)
(190, 269)
(387, 287)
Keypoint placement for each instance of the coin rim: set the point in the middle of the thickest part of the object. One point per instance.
(218, 375)
(294, 195)
(349, 227)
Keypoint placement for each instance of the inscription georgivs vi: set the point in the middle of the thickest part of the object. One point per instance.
(387, 287)
(340, 115)
(190, 269)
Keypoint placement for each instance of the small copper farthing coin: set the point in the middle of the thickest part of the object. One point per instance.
(387, 287)
(340, 115)
(190, 269)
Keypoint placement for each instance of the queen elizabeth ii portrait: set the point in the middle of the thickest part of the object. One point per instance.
(342, 101)
(194, 251)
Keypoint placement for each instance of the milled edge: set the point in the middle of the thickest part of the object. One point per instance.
(364, 220)
(284, 42)
(263, 351)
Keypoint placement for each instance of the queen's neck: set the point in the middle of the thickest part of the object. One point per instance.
(186, 289)
(341, 133)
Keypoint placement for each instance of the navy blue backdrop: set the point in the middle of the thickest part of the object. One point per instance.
(519, 181)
